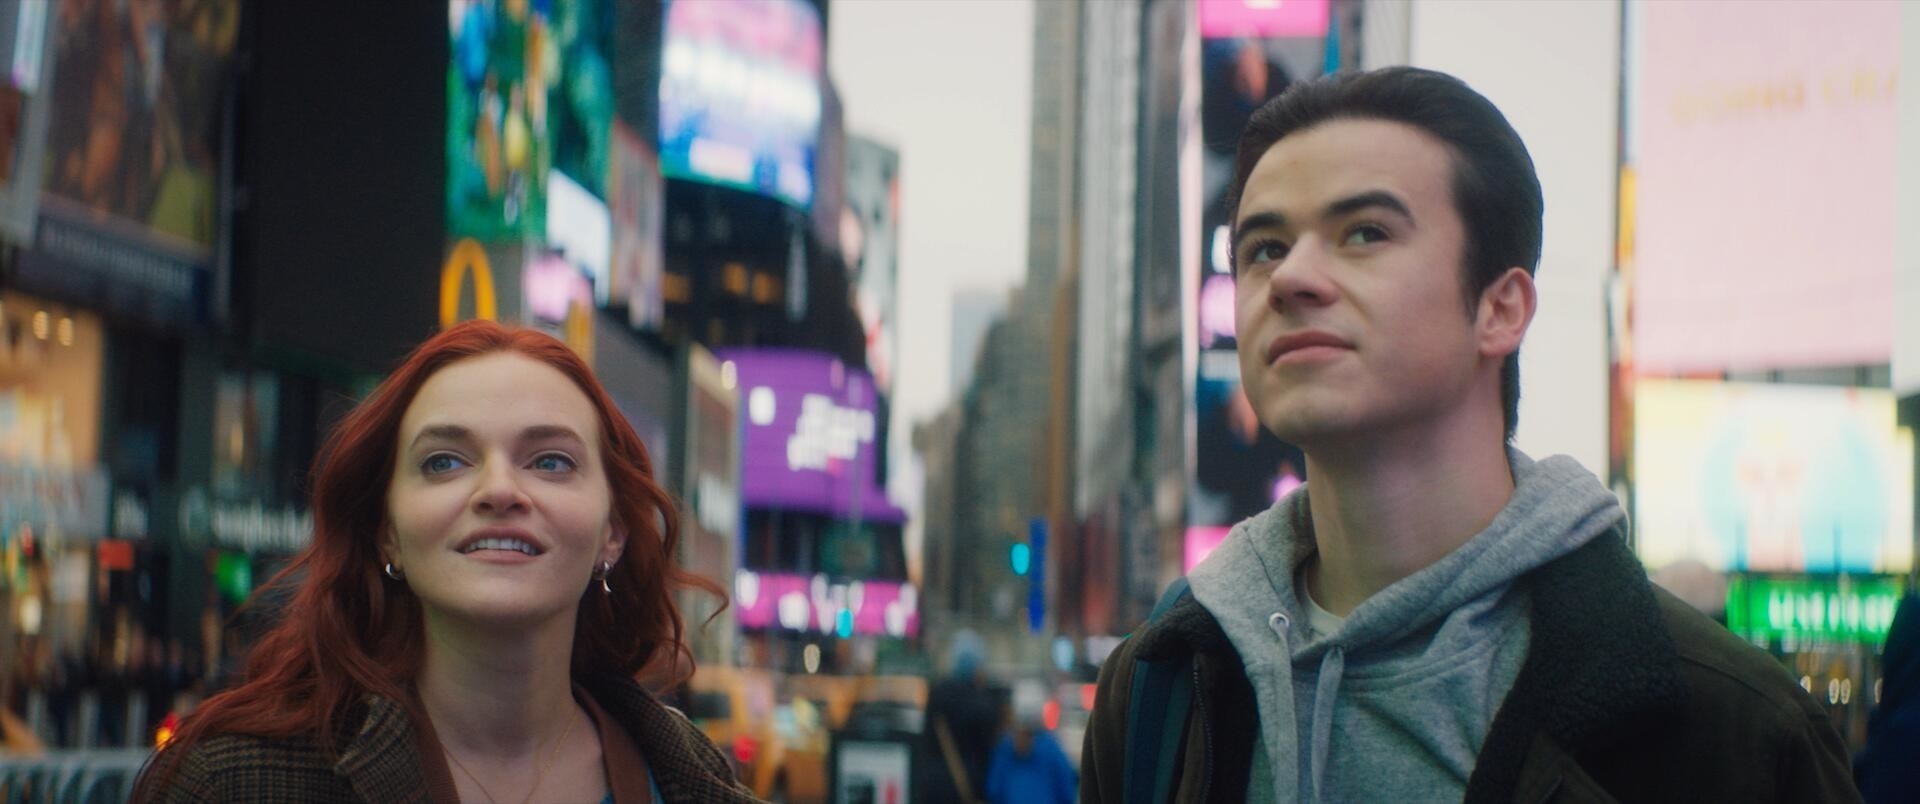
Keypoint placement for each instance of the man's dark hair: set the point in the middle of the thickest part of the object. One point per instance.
(1495, 189)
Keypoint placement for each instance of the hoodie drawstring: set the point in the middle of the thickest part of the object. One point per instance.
(1332, 667)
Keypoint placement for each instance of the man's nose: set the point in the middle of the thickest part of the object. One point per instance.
(1302, 280)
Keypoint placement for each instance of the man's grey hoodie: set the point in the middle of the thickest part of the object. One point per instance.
(1395, 703)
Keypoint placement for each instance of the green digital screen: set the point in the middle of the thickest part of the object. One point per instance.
(233, 576)
(1850, 609)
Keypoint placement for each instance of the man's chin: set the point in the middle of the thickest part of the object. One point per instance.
(1304, 425)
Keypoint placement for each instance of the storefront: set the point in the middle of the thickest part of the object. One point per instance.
(54, 509)
(1799, 499)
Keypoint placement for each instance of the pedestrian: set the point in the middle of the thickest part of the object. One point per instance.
(963, 718)
(491, 566)
(1029, 767)
(1886, 769)
(1435, 615)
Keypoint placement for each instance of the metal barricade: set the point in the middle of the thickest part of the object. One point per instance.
(70, 777)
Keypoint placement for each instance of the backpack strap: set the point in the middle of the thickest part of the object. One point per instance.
(1162, 696)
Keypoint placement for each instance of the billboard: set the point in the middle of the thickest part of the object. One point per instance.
(1771, 478)
(24, 95)
(1249, 54)
(637, 196)
(870, 237)
(1221, 19)
(1787, 127)
(814, 604)
(707, 476)
(809, 440)
(130, 207)
(519, 282)
(1200, 543)
(1241, 468)
(1856, 609)
(580, 228)
(529, 91)
(740, 94)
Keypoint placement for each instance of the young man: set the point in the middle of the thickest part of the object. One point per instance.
(1436, 616)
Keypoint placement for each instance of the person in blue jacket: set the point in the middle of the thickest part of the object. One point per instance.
(1028, 767)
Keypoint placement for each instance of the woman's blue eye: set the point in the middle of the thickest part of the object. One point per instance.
(440, 462)
(553, 462)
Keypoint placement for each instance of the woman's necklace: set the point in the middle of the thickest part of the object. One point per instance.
(537, 778)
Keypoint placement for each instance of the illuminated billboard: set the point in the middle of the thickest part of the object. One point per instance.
(1250, 53)
(1222, 19)
(740, 95)
(638, 201)
(1858, 609)
(130, 209)
(869, 234)
(814, 604)
(809, 439)
(1771, 478)
(1775, 117)
(529, 93)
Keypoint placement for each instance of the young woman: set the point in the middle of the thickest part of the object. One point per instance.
(491, 567)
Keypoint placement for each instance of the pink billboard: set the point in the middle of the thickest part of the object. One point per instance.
(1200, 543)
(1761, 212)
(1262, 19)
(813, 604)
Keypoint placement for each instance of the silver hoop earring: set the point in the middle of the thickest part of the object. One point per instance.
(396, 574)
(600, 574)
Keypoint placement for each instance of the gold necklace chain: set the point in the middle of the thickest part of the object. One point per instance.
(537, 777)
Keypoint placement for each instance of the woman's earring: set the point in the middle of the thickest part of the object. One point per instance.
(395, 572)
(600, 574)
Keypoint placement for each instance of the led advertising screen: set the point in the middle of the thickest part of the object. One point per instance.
(529, 91)
(637, 196)
(580, 228)
(740, 95)
(1857, 609)
(869, 235)
(1239, 469)
(1771, 478)
(813, 604)
(1776, 117)
(1263, 18)
(809, 440)
(132, 155)
(24, 104)
(557, 297)
(1200, 543)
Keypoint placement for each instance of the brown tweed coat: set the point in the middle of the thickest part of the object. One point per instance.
(382, 764)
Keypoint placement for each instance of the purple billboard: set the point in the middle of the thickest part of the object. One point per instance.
(809, 434)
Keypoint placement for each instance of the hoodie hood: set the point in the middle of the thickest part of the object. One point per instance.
(1456, 612)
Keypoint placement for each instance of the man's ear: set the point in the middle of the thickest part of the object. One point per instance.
(1506, 310)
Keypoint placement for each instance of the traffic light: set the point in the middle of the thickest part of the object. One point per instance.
(1022, 558)
(1037, 573)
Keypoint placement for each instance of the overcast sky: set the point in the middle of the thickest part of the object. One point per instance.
(950, 84)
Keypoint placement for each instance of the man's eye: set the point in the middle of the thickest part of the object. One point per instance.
(1365, 234)
(1264, 251)
(441, 462)
(553, 462)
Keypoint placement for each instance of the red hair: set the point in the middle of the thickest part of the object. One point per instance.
(349, 631)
